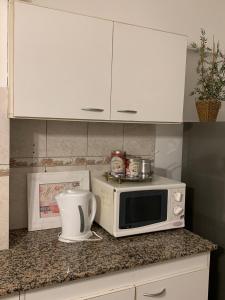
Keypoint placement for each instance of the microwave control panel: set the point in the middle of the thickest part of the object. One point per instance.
(178, 203)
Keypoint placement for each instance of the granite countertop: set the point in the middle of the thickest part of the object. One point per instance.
(37, 259)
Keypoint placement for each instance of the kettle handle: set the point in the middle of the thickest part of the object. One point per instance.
(93, 208)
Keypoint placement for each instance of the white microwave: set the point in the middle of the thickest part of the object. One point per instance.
(134, 208)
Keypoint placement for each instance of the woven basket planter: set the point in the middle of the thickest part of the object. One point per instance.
(208, 110)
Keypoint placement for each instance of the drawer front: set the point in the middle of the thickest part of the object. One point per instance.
(119, 294)
(128, 294)
(15, 297)
(191, 286)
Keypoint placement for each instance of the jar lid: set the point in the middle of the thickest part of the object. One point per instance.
(146, 160)
(134, 159)
(117, 152)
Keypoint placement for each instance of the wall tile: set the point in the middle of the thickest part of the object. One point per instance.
(28, 138)
(4, 128)
(65, 168)
(93, 161)
(64, 162)
(97, 170)
(139, 139)
(4, 170)
(103, 138)
(168, 150)
(4, 207)
(48, 162)
(66, 139)
(27, 162)
(97, 166)
(18, 217)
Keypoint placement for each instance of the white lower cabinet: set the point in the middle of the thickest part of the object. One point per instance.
(178, 279)
(186, 287)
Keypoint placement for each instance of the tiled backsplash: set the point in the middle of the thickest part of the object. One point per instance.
(49, 146)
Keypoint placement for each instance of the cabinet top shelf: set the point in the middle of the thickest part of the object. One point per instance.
(95, 17)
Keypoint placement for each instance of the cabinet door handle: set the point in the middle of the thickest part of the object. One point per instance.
(127, 111)
(156, 294)
(93, 109)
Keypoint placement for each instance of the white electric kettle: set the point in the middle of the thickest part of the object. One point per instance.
(77, 210)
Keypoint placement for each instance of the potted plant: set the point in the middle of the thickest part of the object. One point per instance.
(210, 89)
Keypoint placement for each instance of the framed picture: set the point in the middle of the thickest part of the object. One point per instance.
(43, 211)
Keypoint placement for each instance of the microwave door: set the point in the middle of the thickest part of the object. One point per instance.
(142, 208)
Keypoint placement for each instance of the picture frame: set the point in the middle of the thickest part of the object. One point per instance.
(43, 212)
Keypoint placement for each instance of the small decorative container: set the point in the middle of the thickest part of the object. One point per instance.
(208, 110)
(146, 168)
(118, 163)
(133, 167)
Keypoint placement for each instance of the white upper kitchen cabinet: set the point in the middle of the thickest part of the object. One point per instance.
(64, 65)
(148, 75)
(60, 64)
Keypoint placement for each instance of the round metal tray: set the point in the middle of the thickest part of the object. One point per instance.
(121, 179)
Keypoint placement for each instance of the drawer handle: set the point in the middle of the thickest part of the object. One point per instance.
(93, 109)
(156, 294)
(127, 111)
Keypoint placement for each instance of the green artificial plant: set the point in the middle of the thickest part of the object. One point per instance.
(210, 70)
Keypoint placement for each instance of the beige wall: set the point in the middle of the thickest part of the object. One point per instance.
(182, 16)
(4, 132)
(4, 171)
(3, 43)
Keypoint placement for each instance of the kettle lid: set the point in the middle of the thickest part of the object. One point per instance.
(76, 192)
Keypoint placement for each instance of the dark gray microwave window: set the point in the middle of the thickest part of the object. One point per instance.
(142, 208)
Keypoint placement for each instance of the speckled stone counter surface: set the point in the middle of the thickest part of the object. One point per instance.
(38, 259)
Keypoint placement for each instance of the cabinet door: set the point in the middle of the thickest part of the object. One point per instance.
(148, 74)
(191, 286)
(62, 64)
